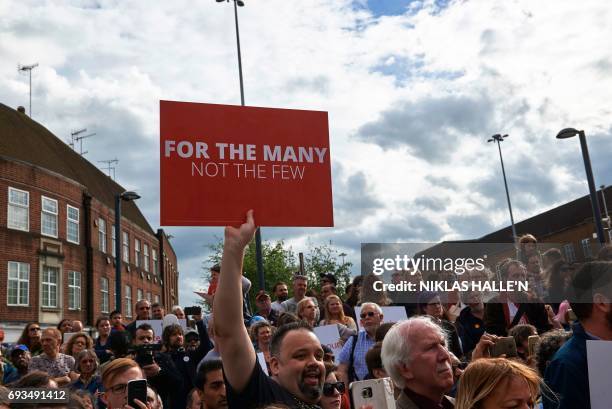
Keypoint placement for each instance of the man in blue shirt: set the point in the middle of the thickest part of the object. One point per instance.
(353, 366)
(567, 374)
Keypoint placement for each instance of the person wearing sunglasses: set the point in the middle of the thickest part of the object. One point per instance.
(353, 366)
(30, 337)
(333, 390)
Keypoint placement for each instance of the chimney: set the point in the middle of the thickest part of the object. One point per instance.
(21, 109)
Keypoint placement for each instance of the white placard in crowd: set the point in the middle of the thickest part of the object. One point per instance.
(599, 359)
(158, 327)
(390, 314)
(67, 335)
(329, 335)
(262, 362)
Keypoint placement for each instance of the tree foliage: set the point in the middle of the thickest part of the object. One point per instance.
(280, 262)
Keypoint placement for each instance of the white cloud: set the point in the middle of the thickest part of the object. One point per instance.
(540, 66)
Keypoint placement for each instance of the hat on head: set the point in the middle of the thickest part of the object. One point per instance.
(191, 333)
(19, 347)
(329, 277)
(262, 294)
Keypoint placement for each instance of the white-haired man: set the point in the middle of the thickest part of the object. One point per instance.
(415, 356)
(353, 366)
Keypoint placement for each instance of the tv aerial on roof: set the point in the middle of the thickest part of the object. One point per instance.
(77, 137)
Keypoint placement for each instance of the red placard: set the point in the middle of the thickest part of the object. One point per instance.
(218, 161)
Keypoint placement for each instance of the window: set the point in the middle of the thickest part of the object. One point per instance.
(149, 296)
(155, 265)
(145, 262)
(139, 294)
(113, 241)
(128, 301)
(18, 283)
(74, 290)
(50, 287)
(586, 248)
(18, 209)
(48, 217)
(570, 255)
(102, 235)
(105, 297)
(126, 247)
(72, 224)
(137, 252)
(156, 298)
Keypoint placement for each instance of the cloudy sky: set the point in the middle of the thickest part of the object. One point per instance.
(413, 90)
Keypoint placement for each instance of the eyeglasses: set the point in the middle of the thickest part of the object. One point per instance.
(328, 388)
(34, 329)
(118, 389)
(367, 314)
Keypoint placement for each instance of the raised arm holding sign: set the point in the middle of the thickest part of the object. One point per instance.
(296, 359)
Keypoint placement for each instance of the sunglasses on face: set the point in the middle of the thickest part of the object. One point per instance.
(328, 388)
(34, 329)
(367, 314)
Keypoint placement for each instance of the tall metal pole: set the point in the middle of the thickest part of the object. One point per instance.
(258, 248)
(118, 252)
(30, 93)
(239, 55)
(592, 191)
(29, 68)
(603, 197)
(499, 138)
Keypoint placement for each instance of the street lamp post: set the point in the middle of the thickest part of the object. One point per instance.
(127, 197)
(258, 250)
(499, 138)
(603, 199)
(569, 133)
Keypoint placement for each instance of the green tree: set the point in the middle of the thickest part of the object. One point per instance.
(280, 262)
(324, 259)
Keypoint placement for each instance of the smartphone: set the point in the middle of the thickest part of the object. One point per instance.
(504, 345)
(137, 389)
(532, 341)
(193, 310)
(375, 392)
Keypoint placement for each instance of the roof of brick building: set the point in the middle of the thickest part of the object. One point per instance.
(24, 139)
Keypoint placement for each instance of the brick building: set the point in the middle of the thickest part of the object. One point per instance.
(57, 239)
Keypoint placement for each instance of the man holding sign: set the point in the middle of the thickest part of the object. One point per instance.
(296, 362)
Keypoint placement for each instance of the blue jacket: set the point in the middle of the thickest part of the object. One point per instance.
(567, 374)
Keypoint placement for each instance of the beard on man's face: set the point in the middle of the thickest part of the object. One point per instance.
(311, 391)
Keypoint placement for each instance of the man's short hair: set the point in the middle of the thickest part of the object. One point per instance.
(396, 348)
(207, 367)
(114, 313)
(594, 277)
(156, 304)
(282, 331)
(216, 268)
(114, 368)
(299, 276)
(145, 326)
(277, 284)
(372, 305)
(57, 334)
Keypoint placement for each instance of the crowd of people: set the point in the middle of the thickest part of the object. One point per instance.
(446, 353)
